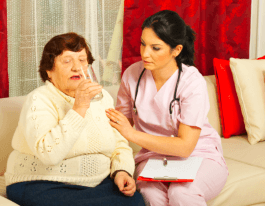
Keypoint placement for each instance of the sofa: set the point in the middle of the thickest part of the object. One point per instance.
(246, 163)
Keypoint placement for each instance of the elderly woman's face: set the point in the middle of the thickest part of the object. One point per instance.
(66, 74)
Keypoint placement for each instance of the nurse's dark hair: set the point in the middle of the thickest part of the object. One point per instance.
(57, 45)
(172, 29)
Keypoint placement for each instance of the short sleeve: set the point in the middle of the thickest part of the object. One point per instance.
(194, 103)
(124, 100)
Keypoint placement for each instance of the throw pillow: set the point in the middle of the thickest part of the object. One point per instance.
(262, 57)
(248, 76)
(230, 112)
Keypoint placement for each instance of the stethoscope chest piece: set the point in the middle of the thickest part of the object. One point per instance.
(171, 103)
(135, 111)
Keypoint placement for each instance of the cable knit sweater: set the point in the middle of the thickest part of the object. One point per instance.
(53, 142)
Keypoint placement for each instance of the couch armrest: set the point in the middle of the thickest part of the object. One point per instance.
(9, 114)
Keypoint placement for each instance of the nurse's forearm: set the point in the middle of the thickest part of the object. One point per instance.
(131, 121)
(163, 145)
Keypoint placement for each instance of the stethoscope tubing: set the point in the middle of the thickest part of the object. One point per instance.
(174, 97)
(136, 91)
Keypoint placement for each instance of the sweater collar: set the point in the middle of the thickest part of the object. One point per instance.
(55, 89)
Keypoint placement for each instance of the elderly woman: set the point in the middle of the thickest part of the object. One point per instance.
(65, 151)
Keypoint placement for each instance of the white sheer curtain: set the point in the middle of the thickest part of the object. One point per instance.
(257, 34)
(32, 23)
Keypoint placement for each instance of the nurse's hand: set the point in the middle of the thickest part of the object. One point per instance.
(121, 123)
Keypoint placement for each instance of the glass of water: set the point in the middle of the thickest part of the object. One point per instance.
(92, 76)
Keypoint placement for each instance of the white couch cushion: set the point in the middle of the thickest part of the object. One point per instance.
(5, 202)
(214, 114)
(10, 112)
(238, 148)
(2, 186)
(244, 186)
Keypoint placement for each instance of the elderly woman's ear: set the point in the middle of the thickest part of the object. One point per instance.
(49, 76)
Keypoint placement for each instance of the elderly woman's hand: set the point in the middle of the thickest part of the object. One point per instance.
(125, 183)
(85, 91)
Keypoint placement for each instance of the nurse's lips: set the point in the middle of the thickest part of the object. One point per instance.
(146, 62)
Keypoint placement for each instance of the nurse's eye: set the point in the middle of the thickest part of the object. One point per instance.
(142, 43)
(156, 48)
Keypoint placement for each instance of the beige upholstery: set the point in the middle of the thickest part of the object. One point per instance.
(246, 162)
(239, 149)
(213, 115)
(9, 115)
(6, 202)
(249, 84)
(246, 180)
(2, 186)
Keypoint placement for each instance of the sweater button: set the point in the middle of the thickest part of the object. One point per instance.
(34, 97)
(33, 108)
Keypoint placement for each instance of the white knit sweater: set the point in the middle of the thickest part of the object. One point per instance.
(53, 142)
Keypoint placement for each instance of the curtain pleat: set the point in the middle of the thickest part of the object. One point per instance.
(32, 23)
(222, 28)
(4, 84)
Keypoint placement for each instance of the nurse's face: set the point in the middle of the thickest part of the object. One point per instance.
(155, 53)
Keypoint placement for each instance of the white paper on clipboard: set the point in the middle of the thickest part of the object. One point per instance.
(180, 169)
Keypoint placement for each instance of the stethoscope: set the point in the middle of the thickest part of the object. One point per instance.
(171, 103)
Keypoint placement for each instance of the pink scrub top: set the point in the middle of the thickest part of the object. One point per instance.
(153, 108)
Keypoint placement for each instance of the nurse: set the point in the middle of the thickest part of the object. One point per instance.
(166, 98)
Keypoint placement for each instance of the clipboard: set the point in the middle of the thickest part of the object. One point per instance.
(163, 170)
(163, 179)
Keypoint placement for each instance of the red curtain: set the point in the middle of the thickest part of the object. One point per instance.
(222, 28)
(3, 51)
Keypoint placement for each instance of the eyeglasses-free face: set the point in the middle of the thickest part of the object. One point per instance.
(67, 71)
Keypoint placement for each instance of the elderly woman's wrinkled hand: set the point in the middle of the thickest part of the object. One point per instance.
(125, 183)
(85, 91)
